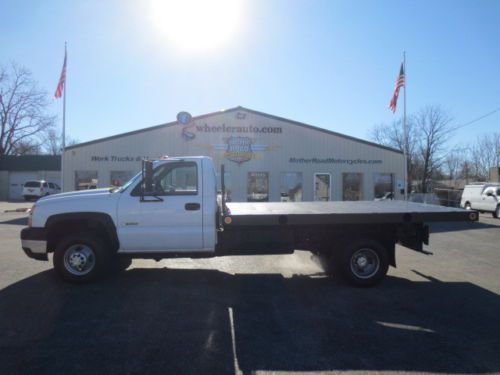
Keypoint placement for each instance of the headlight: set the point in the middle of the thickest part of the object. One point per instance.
(30, 215)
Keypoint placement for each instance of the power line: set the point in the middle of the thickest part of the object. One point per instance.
(477, 119)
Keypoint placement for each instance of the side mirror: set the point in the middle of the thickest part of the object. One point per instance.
(148, 176)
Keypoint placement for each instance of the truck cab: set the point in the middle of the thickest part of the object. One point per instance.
(175, 212)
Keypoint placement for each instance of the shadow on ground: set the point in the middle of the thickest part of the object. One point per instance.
(19, 221)
(185, 321)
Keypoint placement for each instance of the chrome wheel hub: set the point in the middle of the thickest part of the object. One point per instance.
(362, 261)
(79, 259)
(365, 263)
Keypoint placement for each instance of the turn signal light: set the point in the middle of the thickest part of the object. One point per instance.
(30, 216)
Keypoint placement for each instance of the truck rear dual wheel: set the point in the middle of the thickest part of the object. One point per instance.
(362, 263)
(81, 258)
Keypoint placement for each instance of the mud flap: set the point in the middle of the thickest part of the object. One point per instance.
(414, 236)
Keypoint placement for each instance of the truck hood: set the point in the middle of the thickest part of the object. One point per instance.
(78, 193)
(95, 200)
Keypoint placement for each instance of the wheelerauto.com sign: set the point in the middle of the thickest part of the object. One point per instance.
(189, 131)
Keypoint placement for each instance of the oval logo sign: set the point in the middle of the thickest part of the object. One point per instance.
(184, 117)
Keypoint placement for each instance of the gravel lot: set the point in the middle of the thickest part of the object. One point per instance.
(273, 314)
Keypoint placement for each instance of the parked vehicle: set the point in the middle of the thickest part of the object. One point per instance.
(37, 189)
(54, 188)
(170, 209)
(482, 197)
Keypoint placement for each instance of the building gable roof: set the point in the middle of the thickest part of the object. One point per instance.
(235, 109)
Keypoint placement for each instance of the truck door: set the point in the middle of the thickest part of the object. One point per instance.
(169, 218)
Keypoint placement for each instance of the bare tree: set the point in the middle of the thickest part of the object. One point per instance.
(392, 135)
(27, 147)
(23, 117)
(484, 154)
(428, 132)
(454, 162)
(436, 129)
(53, 142)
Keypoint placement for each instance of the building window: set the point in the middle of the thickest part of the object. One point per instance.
(352, 186)
(258, 187)
(322, 187)
(118, 178)
(85, 180)
(291, 186)
(383, 185)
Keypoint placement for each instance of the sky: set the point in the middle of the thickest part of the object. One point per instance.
(331, 64)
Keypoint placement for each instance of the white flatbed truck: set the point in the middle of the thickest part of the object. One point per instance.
(171, 209)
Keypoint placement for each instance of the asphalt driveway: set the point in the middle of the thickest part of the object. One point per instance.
(268, 314)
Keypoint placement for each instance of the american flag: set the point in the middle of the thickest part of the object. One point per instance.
(400, 82)
(62, 80)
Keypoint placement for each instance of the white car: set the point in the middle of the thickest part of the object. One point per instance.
(38, 189)
(482, 197)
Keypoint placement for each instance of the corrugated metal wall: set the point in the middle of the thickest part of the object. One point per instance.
(274, 142)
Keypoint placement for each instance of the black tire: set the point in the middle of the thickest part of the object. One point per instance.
(26, 198)
(81, 246)
(363, 263)
(496, 213)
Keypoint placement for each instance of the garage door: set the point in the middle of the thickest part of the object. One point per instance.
(16, 182)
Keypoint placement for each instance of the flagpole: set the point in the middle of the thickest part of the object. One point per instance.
(405, 131)
(64, 123)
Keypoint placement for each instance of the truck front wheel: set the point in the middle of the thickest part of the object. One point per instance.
(363, 263)
(80, 258)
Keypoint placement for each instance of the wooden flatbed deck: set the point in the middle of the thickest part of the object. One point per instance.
(361, 212)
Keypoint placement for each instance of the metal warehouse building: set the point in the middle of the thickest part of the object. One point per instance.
(267, 158)
(16, 170)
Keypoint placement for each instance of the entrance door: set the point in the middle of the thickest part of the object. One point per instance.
(322, 187)
(170, 218)
(258, 187)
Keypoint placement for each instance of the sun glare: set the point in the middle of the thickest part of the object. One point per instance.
(197, 25)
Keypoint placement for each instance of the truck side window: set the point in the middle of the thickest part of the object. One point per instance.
(173, 179)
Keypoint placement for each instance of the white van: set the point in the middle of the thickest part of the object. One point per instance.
(482, 197)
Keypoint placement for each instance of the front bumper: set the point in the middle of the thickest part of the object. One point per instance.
(34, 243)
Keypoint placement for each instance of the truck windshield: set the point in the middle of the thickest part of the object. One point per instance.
(126, 184)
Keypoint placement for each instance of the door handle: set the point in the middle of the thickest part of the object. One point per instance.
(192, 206)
